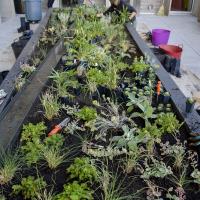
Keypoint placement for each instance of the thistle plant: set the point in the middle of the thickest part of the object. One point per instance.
(176, 151)
(196, 176)
(50, 104)
(10, 164)
(143, 104)
(111, 117)
(156, 169)
(99, 151)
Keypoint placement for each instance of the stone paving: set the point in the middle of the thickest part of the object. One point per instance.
(185, 31)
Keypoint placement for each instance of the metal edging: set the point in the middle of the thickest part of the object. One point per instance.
(192, 120)
(15, 114)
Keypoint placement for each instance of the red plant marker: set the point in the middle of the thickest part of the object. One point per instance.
(158, 89)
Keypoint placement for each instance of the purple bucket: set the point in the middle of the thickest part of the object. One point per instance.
(160, 36)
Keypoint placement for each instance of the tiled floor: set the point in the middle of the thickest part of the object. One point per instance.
(185, 30)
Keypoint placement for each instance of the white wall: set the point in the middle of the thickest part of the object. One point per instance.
(7, 9)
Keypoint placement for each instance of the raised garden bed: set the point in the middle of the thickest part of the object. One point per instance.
(50, 30)
(122, 140)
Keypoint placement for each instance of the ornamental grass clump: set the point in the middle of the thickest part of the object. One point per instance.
(50, 104)
(53, 156)
(10, 164)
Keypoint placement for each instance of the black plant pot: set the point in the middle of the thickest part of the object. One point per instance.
(104, 91)
(166, 99)
(77, 91)
(189, 107)
(66, 101)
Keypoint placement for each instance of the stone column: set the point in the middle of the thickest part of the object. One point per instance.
(136, 4)
(7, 9)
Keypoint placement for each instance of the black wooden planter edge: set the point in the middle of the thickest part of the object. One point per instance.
(192, 120)
(8, 85)
(15, 113)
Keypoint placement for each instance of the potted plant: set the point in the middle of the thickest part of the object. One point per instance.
(189, 105)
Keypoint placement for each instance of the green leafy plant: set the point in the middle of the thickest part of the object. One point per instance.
(32, 151)
(139, 65)
(75, 191)
(31, 143)
(2, 197)
(150, 134)
(29, 187)
(10, 164)
(156, 169)
(30, 132)
(50, 104)
(83, 169)
(95, 78)
(87, 114)
(168, 123)
(56, 141)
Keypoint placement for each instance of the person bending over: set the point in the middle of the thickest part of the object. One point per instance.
(117, 6)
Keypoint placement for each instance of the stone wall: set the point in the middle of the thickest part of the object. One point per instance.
(150, 6)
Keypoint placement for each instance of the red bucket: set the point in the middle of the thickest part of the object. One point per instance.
(172, 50)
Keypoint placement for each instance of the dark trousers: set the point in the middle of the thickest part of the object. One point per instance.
(50, 3)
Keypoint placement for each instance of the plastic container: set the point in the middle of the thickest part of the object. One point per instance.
(33, 10)
(172, 50)
(160, 36)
